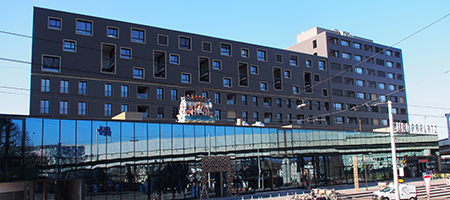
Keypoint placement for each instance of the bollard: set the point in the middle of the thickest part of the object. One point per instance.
(270, 196)
(252, 197)
(242, 198)
(278, 196)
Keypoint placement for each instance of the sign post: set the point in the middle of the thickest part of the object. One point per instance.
(355, 174)
(427, 179)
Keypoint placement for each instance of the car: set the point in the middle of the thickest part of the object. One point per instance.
(388, 192)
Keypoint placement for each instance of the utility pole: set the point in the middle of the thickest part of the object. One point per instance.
(394, 152)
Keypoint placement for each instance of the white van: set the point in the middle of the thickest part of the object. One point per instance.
(387, 193)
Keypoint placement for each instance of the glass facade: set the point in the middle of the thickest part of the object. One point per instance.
(140, 160)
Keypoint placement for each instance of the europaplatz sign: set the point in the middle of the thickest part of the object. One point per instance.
(414, 128)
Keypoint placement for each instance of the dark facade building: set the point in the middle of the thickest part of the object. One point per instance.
(313, 104)
(92, 68)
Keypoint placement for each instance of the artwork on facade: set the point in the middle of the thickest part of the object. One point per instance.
(195, 109)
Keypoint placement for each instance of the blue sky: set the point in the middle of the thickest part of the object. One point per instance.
(269, 23)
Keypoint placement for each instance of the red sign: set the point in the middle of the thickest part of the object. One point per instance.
(423, 160)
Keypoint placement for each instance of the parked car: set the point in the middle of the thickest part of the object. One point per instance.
(388, 192)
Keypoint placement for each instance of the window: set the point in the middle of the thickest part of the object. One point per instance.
(108, 58)
(174, 112)
(142, 92)
(322, 65)
(314, 44)
(227, 82)
(231, 99)
(244, 53)
(293, 60)
(280, 118)
(337, 106)
(389, 64)
(54, 23)
(384, 122)
(397, 54)
(174, 95)
(84, 27)
(277, 76)
(358, 70)
(267, 117)
(370, 72)
(50, 63)
(267, 102)
(338, 120)
(216, 97)
(337, 92)
(263, 86)
(137, 35)
(402, 100)
(307, 79)
(159, 64)
(69, 45)
(345, 55)
(108, 109)
(388, 52)
(124, 108)
(160, 113)
(300, 119)
(381, 74)
(217, 64)
(185, 78)
(138, 73)
(160, 93)
(255, 116)
(174, 59)
(144, 110)
(64, 87)
(378, 49)
(391, 87)
(113, 32)
(336, 79)
(243, 74)
(125, 52)
(45, 85)
(399, 77)
(63, 107)
(390, 75)
(316, 77)
(45, 106)
(369, 60)
(217, 116)
(324, 92)
(244, 116)
(108, 89)
(335, 66)
(368, 48)
(295, 89)
(163, 40)
(356, 45)
(308, 63)
(288, 103)
(279, 58)
(359, 83)
(382, 98)
(279, 105)
(333, 40)
(398, 65)
(334, 53)
(381, 86)
(255, 101)
(82, 87)
(206, 46)
(360, 95)
(262, 55)
(184, 43)
(203, 69)
(124, 91)
(244, 100)
(345, 43)
(82, 108)
(357, 57)
(287, 74)
(225, 49)
(380, 62)
(254, 69)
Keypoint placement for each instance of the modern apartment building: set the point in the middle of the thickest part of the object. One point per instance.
(86, 67)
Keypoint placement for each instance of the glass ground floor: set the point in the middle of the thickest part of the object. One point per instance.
(139, 160)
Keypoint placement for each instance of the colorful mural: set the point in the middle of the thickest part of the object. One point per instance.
(195, 109)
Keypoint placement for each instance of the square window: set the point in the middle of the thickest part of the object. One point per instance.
(185, 78)
(225, 49)
(184, 43)
(388, 52)
(322, 65)
(113, 32)
(244, 53)
(263, 86)
(358, 70)
(279, 58)
(389, 64)
(50, 63)
(84, 27)
(287, 74)
(217, 64)
(69, 45)
(227, 82)
(254, 69)
(137, 35)
(262, 55)
(356, 45)
(293, 60)
(163, 40)
(345, 43)
(357, 57)
(54, 23)
(345, 55)
(206, 46)
(125, 52)
(174, 59)
(138, 73)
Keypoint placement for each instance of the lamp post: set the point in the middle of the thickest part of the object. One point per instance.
(394, 152)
